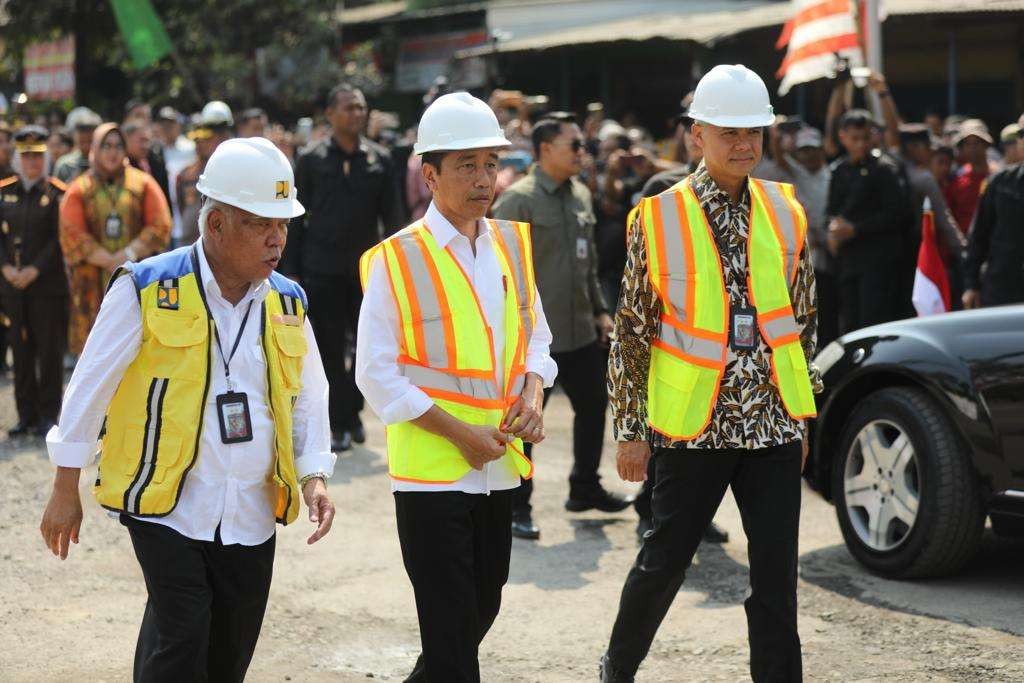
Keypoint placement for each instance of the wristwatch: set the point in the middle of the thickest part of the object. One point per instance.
(313, 475)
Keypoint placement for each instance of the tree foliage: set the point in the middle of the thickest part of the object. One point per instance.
(221, 47)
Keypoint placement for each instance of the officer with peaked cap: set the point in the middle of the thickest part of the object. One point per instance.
(203, 379)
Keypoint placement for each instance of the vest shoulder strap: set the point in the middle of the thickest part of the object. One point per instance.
(289, 289)
(787, 217)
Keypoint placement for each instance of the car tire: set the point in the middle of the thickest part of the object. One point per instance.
(949, 513)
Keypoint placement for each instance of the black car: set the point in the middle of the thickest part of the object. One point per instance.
(920, 436)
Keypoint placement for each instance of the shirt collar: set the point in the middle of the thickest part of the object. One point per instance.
(546, 181)
(29, 184)
(442, 229)
(257, 290)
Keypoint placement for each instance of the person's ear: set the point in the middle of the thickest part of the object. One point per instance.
(215, 220)
(430, 177)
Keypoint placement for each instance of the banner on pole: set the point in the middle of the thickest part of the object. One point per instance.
(50, 69)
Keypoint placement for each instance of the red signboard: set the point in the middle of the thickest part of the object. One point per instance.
(50, 69)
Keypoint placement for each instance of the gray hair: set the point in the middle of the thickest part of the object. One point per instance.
(204, 212)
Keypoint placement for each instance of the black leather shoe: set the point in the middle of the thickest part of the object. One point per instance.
(609, 674)
(523, 527)
(599, 500)
(716, 534)
(643, 525)
(341, 441)
(359, 434)
(22, 428)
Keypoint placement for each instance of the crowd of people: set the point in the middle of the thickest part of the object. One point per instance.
(122, 191)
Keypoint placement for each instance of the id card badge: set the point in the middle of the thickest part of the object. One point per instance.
(233, 414)
(582, 248)
(743, 331)
(113, 226)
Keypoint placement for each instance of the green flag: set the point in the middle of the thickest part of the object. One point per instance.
(142, 30)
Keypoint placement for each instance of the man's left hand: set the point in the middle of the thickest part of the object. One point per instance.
(605, 326)
(525, 419)
(321, 509)
(26, 276)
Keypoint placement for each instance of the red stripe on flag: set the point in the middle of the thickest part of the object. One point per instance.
(821, 10)
(787, 32)
(929, 262)
(819, 47)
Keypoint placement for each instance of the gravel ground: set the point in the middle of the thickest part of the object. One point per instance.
(342, 610)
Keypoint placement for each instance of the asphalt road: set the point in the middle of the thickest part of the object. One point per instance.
(342, 610)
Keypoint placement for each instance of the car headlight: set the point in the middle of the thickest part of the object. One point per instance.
(829, 356)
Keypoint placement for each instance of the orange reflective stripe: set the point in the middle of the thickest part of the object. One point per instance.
(694, 331)
(684, 226)
(405, 359)
(414, 303)
(682, 355)
(777, 313)
(773, 218)
(450, 342)
(800, 221)
(394, 298)
(659, 240)
(718, 260)
(486, 403)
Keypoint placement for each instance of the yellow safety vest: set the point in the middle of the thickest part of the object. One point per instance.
(154, 423)
(447, 348)
(688, 356)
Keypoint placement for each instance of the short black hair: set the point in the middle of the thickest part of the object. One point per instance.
(332, 94)
(434, 159)
(856, 118)
(546, 130)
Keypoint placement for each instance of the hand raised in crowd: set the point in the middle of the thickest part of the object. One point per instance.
(525, 418)
(480, 444)
(877, 82)
(631, 460)
(840, 231)
(605, 326)
(62, 518)
(321, 509)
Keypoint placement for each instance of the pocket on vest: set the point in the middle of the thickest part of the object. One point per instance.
(176, 333)
(292, 346)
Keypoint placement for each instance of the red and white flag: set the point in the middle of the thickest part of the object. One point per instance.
(818, 31)
(931, 284)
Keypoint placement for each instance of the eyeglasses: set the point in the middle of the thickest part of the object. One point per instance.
(112, 147)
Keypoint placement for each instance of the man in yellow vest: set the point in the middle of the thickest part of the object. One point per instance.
(709, 370)
(453, 355)
(202, 379)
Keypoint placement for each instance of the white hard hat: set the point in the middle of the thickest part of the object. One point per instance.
(217, 113)
(252, 174)
(458, 121)
(732, 96)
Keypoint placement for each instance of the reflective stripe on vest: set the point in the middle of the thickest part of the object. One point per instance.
(689, 353)
(446, 345)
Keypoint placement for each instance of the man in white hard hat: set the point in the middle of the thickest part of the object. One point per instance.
(202, 378)
(709, 371)
(213, 128)
(453, 355)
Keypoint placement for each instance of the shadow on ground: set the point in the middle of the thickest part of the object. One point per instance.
(356, 463)
(562, 566)
(988, 593)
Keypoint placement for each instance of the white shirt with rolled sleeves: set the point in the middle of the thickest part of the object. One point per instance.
(393, 397)
(230, 484)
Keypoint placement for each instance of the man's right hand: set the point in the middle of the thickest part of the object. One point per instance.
(480, 444)
(10, 273)
(631, 460)
(63, 516)
(972, 299)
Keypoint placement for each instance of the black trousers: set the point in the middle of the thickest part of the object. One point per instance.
(581, 373)
(690, 486)
(871, 297)
(456, 548)
(205, 607)
(334, 314)
(37, 337)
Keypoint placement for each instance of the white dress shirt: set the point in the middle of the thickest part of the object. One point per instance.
(230, 484)
(392, 396)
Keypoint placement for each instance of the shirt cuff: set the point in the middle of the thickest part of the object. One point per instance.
(410, 406)
(544, 366)
(312, 463)
(70, 454)
(626, 429)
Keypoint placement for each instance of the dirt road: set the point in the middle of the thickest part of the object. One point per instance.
(342, 610)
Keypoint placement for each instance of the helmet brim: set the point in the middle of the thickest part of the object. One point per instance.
(461, 145)
(750, 121)
(276, 209)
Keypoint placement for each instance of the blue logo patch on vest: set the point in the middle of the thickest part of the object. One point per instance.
(167, 294)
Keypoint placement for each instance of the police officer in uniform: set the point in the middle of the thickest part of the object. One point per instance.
(34, 288)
